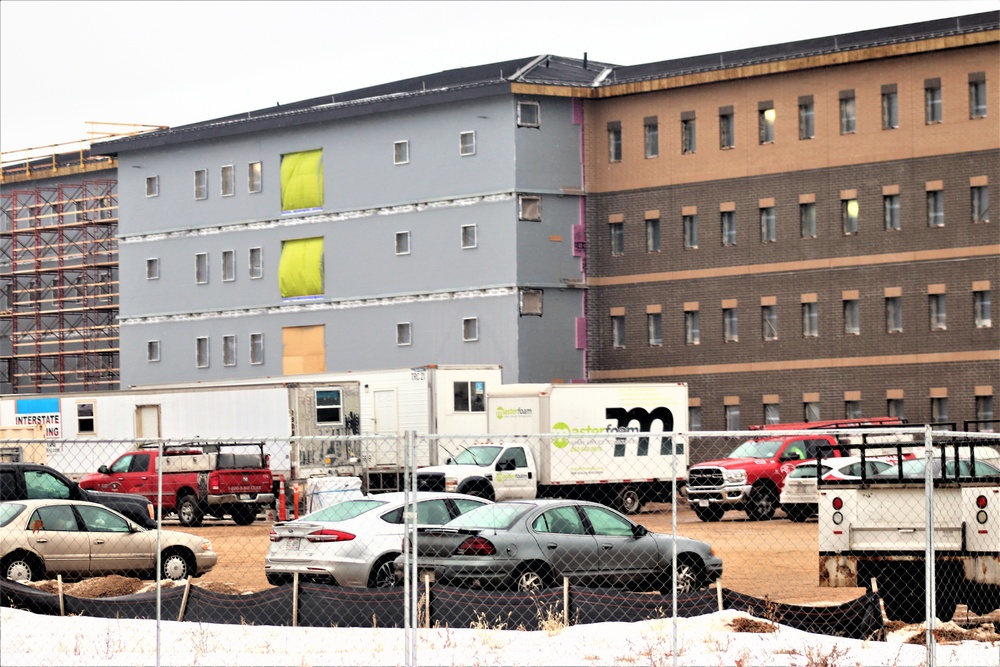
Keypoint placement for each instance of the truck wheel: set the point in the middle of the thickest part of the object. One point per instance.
(761, 504)
(629, 501)
(244, 515)
(800, 513)
(188, 512)
(708, 514)
(479, 491)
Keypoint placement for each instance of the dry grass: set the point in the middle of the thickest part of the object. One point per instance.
(752, 625)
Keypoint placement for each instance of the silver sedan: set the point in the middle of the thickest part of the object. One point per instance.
(531, 544)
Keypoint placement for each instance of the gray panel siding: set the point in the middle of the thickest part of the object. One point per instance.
(549, 156)
(547, 344)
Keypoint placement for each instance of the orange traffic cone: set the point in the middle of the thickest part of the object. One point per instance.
(282, 510)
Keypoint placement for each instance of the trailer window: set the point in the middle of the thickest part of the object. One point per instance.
(85, 418)
(470, 396)
(329, 407)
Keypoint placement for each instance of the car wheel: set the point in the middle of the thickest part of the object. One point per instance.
(177, 565)
(383, 573)
(21, 567)
(799, 513)
(188, 512)
(761, 504)
(688, 578)
(531, 579)
(709, 514)
(629, 500)
(244, 515)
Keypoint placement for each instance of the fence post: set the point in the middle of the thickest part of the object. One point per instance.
(930, 585)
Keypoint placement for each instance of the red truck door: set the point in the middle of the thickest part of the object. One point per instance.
(130, 474)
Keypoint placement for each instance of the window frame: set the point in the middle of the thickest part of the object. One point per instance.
(810, 319)
(523, 211)
(652, 235)
(690, 224)
(152, 268)
(768, 225)
(933, 103)
(255, 177)
(614, 141)
(807, 220)
(727, 220)
(469, 396)
(229, 350)
(616, 239)
(852, 409)
(467, 143)
(730, 325)
(852, 317)
(692, 327)
(765, 124)
(618, 332)
(937, 306)
(894, 314)
(256, 348)
(336, 407)
(227, 180)
(980, 202)
(654, 329)
(200, 184)
(470, 329)
(935, 209)
(255, 259)
(401, 243)
(769, 322)
(848, 113)
(732, 414)
(689, 136)
(977, 96)
(850, 219)
(892, 213)
(401, 152)
(890, 108)
(201, 273)
(807, 119)
(521, 120)
(727, 129)
(470, 236)
(152, 186)
(202, 352)
(228, 266)
(153, 351)
(404, 334)
(772, 413)
(651, 137)
(982, 308)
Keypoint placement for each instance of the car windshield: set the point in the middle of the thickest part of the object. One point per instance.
(476, 456)
(344, 511)
(490, 516)
(8, 511)
(756, 449)
(807, 470)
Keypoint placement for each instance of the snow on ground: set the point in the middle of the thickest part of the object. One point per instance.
(31, 640)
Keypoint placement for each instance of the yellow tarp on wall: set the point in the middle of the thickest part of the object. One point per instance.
(302, 180)
(300, 271)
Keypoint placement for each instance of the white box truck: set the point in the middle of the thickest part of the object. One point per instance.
(582, 441)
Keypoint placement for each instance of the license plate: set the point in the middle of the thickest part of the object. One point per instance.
(293, 543)
(702, 503)
(244, 496)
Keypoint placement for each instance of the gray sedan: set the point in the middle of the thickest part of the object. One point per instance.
(531, 544)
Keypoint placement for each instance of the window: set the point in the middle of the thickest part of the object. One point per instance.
(254, 178)
(769, 322)
(939, 410)
(152, 186)
(694, 417)
(937, 305)
(529, 207)
(469, 239)
(768, 230)
(810, 320)
(849, 216)
(530, 301)
(618, 331)
(730, 325)
(810, 411)
(653, 235)
(732, 418)
(256, 263)
(935, 208)
(727, 128)
(852, 317)
(932, 101)
(229, 350)
(201, 268)
(201, 352)
(894, 408)
(728, 219)
(689, 136)
(690, 231)
(765, 122)
(890, 208)
(614, 141)
(404, 331)
(467, 143)
(153, 268)
(470, 329)
(654, 324)
(329, 406)
(981, 308)
(772, 413)
(470, 396)
(852, 409)
(617, 230)
(692, 328)
(893, 314)
(980, 203)
(85, 422)
(401, 152)
(984, 412)
(302, 181)
(300, 269)
(228, 266)
(651, 134)
(807, 220)
(848, 119)
(977, 95)
(152, 350)
(256, 349)
(402, 243)
(201, 184)
(228, 180)
(890, 107)
(807, 117)
(529, 114)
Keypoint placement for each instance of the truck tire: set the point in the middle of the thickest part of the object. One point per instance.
(762, 503)
(903, 594)
(709, 514)
(244, 515)
(189, 512)
(479, 490)
(629, 501)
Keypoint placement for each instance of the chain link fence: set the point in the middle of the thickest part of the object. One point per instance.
(512, 532)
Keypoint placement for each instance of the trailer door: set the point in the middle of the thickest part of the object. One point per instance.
(385, 411)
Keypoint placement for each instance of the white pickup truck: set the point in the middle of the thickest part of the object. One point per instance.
(880, 527)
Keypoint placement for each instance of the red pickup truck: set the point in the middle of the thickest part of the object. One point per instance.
(751, 477)
(199, 479)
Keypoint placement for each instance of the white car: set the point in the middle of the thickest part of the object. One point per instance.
(799, 497)
(355, 542)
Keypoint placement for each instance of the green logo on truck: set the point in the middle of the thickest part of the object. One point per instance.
(503, 413)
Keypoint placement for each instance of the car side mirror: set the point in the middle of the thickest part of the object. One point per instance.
(104, 470)
(639, 531)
